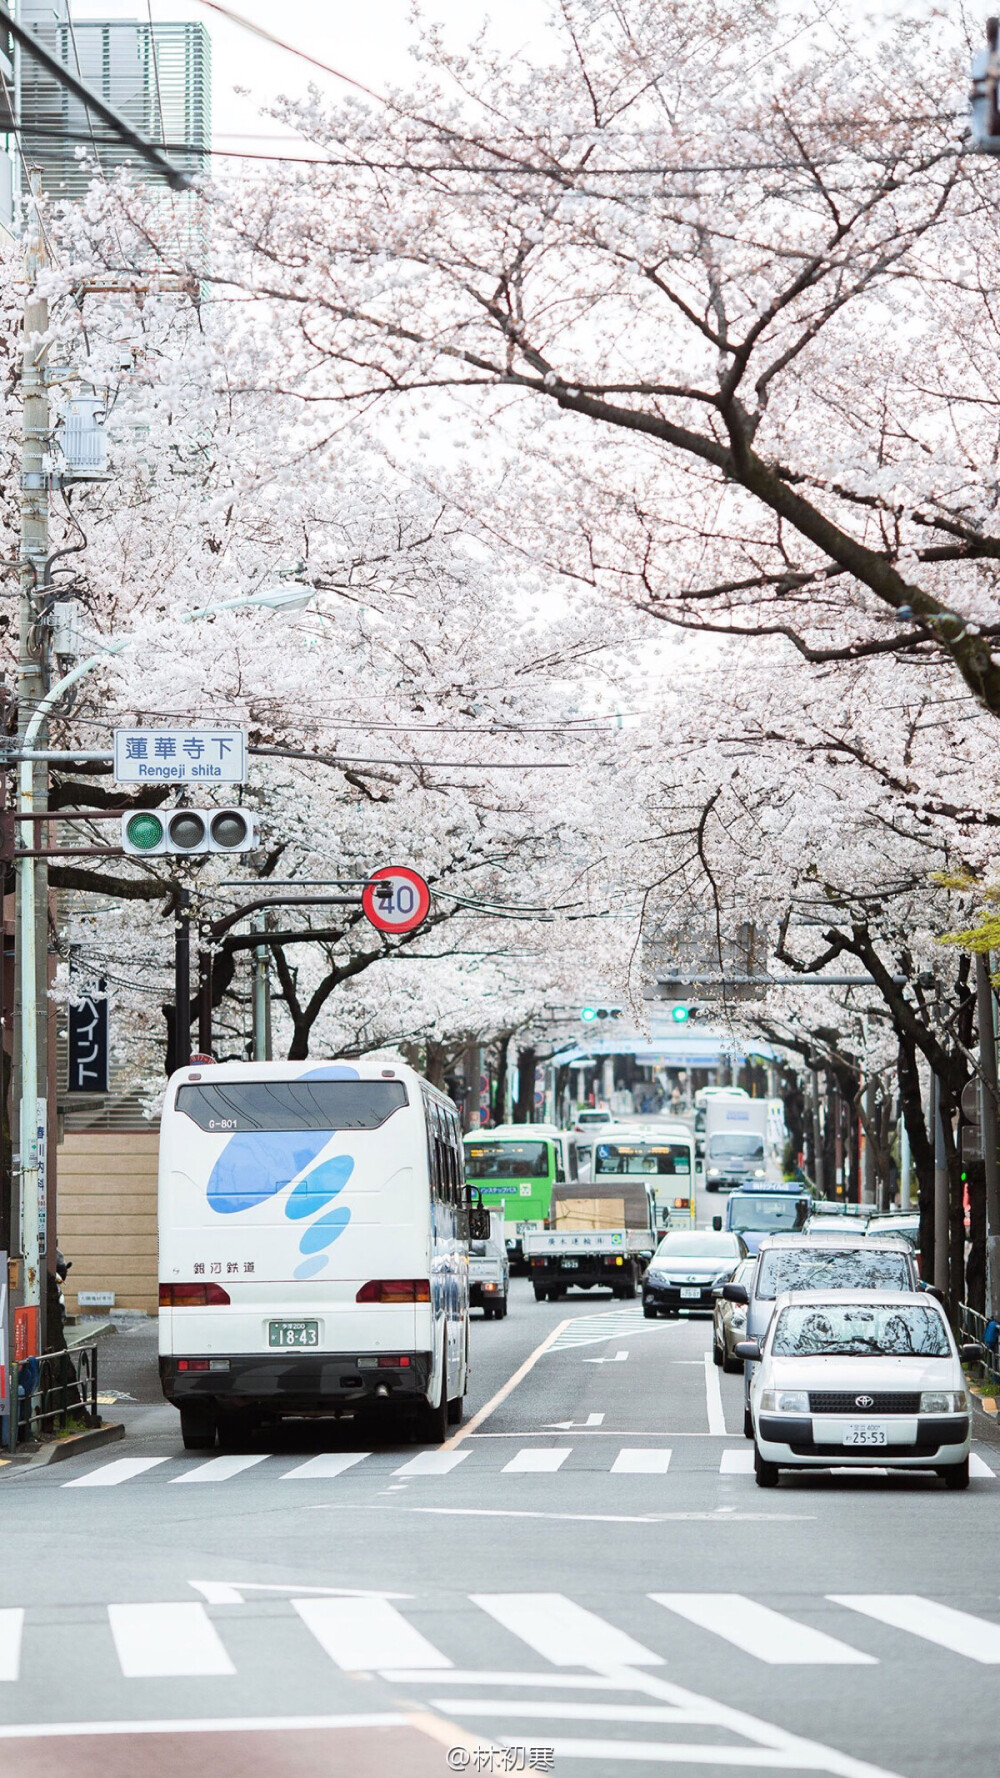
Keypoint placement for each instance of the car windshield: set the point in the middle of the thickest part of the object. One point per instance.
(507, 1160)
(876, 1330)
(737, 1145)
(770, 1214)
(830, 1268)
(707, 1246)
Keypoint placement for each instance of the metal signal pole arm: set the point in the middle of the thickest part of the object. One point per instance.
(175, 178)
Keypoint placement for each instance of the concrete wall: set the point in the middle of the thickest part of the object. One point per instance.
(107, 1214)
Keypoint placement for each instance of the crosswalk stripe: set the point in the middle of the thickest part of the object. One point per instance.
(111, 1474)
(959, 1631)
(433, 1463)
(218, 1469)
(11, 1625)
(736, 1463)
(759, 1631)
(563, 1632)
(361, 1635)
(327, 1464)
(167, 1642)
(978, 1467)
(535, 1462)
(632, 1460)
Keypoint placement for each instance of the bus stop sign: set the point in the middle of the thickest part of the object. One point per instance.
(396, 899)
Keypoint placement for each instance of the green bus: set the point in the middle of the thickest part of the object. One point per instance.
(514, 1167)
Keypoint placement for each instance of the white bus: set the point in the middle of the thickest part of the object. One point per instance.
(663, 1154)
(314, 1227)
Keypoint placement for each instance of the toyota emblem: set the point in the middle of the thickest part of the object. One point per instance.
(864, 1401)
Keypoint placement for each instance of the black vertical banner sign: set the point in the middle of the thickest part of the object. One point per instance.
(88, 1045)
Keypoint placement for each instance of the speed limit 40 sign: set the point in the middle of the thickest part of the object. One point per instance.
(396, 899)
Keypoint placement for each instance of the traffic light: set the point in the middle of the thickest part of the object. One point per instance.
(589, 1013)
(680, 1014)
(188, 833)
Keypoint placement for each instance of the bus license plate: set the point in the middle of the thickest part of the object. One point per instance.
(293, 1333)
(862, 1432)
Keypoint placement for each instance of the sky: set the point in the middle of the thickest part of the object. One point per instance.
(367, 41)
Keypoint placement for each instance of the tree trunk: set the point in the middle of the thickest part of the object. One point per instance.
(921, 1150)
(500, 1084)
(435, 1062)
(525, 1106)
(975, 1265)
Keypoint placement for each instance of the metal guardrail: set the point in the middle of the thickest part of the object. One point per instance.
(48, 1390)
(973, 1326)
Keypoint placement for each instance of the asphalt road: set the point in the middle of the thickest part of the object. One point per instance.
(586, 1568)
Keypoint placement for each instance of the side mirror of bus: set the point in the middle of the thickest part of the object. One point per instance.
(717, 1224)
(479, 1225)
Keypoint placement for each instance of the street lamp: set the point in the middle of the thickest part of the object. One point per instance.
(277, 598)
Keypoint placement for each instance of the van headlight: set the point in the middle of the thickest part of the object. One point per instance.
(758, 1173)
(944, 1401)
(784, 1401)
(714, 1173)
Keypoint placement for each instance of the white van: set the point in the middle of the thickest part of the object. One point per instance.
(314, 1229)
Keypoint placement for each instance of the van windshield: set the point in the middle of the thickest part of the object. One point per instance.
(233, 1105)
(855, 1330)
(736, 1143)
(507, 1160)
(830, 1268)
(763, 1212)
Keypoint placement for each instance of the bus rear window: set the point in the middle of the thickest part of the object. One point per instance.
(507, 1160)
(291, 1104)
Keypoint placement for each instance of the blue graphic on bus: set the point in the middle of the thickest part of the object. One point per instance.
(255, 1165)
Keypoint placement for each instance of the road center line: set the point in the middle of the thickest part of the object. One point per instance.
(505, 1389)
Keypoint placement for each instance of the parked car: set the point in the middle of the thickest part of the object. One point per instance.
(729, 1323)
(835, 1259)
(847, 1377)
(688, 1269)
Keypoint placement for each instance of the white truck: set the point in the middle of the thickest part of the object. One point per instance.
(597, 1235)
(744, 1142)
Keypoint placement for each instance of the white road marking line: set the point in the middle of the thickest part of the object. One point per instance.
(218, 1469)
(641, 1462)
(210, 1725)
(326, 1465)
(816, 1759)
(11, 1625)
(167, 1642)
(528, 1708)
(736, 1463)
(361, 1635)
(959, 1631)
(535, 1462)
(559, 1682)
(713, 1397)
(110, 1474)
(505, 1389)
(563, 1632)
(433, 1463)
(759, 1631)
(978, 1467)
(721, 1515)
(615, 1358)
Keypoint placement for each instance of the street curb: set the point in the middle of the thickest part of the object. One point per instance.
(58, 1450)
(82, 1335)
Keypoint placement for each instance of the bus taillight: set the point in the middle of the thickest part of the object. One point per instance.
(395, 1290)
(193, 1296)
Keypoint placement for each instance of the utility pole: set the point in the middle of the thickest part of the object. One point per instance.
(32, 949)
(868, 1171)
(988, 1127)
(182, 979)
(261, 994)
